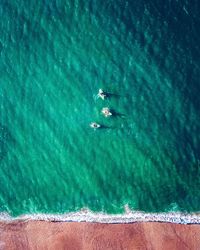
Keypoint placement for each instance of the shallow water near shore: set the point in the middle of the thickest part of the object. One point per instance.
(54, 58)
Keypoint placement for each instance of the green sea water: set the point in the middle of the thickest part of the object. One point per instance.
(54, 56)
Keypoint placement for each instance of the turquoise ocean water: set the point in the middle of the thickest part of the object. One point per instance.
(54, 56)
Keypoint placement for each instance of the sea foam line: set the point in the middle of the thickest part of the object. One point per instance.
(85, 215)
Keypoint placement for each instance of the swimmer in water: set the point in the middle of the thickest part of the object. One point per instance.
(101, 94)
(94, 125)
(106, 112)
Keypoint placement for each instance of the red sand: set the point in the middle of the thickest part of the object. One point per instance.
(92, 236)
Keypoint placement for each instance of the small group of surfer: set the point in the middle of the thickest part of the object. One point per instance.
(105, 111)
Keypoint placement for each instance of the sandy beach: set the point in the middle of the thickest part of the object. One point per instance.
(95, 236)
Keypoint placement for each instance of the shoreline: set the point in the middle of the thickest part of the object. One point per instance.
(85, 215)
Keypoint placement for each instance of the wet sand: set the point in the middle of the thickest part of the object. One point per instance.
(94, 236)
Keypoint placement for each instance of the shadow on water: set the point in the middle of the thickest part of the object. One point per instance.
(114, 95)
(110, 95)
(105, 127)
(117, 114)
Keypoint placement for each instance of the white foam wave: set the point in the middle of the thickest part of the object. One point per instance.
(85, 215)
